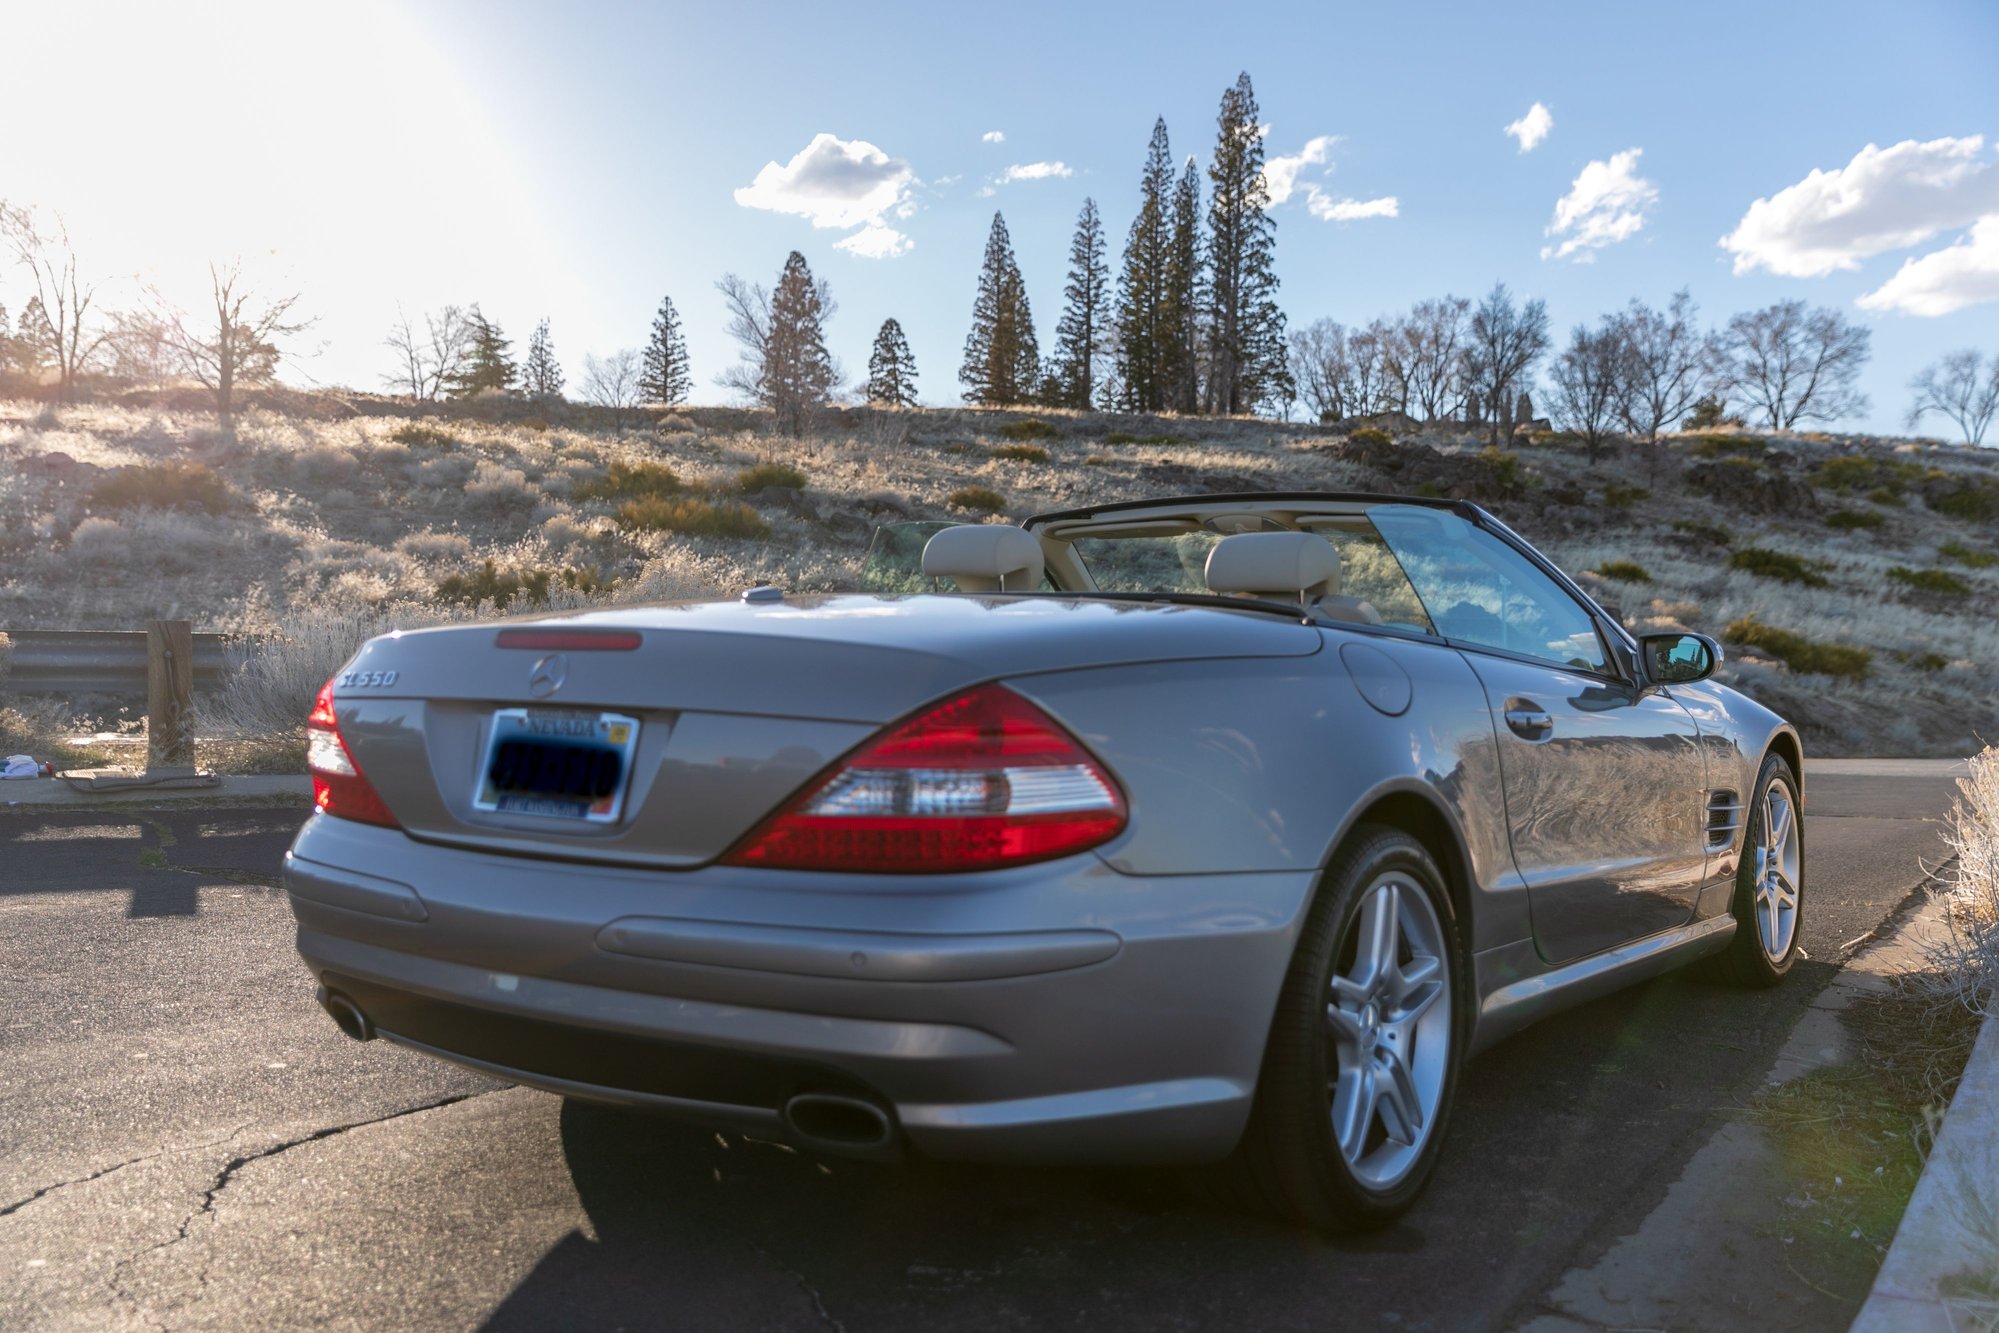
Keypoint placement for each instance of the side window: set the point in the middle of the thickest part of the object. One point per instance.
(1481, 591)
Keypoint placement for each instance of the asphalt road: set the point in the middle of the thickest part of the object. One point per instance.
(185, 1141)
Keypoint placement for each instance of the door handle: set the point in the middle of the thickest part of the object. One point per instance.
(1528, 719)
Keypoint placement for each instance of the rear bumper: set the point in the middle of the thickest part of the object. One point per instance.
(1059, 1012)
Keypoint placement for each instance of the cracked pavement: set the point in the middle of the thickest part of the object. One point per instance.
(187, 1142)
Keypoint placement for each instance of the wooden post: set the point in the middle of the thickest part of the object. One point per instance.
(169, 695)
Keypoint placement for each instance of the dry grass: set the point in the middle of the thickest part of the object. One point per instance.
(336, 514)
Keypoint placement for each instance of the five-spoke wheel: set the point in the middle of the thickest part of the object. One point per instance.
(1769, 882)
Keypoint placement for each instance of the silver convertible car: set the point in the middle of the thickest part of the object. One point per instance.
(1208, 829)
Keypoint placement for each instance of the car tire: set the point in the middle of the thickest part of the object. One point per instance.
(1331, 1141)
(1769, 884)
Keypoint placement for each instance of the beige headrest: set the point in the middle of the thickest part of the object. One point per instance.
(985, 557)
(1274, 564)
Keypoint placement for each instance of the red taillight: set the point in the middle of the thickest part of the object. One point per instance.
(338, 785)
(980, 781)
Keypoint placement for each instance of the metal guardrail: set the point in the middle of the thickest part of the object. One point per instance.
(108, 663)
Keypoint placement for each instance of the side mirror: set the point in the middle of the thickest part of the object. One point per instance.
(1676, 659)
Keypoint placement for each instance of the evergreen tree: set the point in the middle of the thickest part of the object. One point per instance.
(1143, 336)
(487, 363)
(541, 373)
(1080, 336)
(665, 376)
(798, 372)
(1183, 295)
(1002, 363)
(1246, 361)
(891, 368)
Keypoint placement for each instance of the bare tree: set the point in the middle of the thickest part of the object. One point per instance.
(612, 382)
(1430, 342)
(1589, 382)
(1796, 364)
(236, 341)
(749, 324)
(1319, 365)
(1955, 387)
(1670, 366)
(61, 302)
(1371, 384)
(141, 347)
(1505, 341)
(429, 356)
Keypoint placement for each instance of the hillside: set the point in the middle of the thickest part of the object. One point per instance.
(1854, 580)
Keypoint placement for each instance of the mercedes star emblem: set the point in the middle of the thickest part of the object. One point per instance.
(545, 677)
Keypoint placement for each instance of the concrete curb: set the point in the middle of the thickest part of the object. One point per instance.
(47, 793)
(1947, 1246)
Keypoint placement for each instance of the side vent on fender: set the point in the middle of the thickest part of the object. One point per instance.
(1724, 820)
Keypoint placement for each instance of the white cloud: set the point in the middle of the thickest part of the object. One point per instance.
(831, 181)
(1606, 204)
(834, 182)
(1533, 127)
(1884, 199)
(1956, 276)
(993, 136)
(1323, 205)
(1280, 174)
(1034, 171)
(877, 240)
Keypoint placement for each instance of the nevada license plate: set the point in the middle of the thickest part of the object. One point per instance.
(558, 764)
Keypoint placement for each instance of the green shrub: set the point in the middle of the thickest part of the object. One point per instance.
(1430, 490)
(766, 475)
(1711, 533)
(1846, 519)
(1126, 437)
(691, 516)
(1930, 580)
(1624, 571)
(1021, 453)
(977, 499)
(1623, 497)
(1924, 661)
(170, 485)
(1505, 466)
(1780, 565)
(1854, 472)
(958, 447)
(1800, 653)
(1964, 555)
(1373, 437)
(1724, 446)
(1029, 428)
(629, 481)
(1708, 413)
(489, 583)
(415, 435)
(1883, 495)
(1973, 502)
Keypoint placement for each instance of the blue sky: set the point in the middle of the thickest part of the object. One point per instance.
(579, 167)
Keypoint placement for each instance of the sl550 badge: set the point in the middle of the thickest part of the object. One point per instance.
(365, 680)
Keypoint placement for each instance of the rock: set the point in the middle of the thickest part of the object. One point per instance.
(1753, 486)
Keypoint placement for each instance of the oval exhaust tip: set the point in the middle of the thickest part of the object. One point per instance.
(842, 1123)
(346, 1015)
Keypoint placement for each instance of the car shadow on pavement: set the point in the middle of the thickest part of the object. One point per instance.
(1564, 1136)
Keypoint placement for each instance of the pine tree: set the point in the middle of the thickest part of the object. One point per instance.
(1183, 295)
(487, 363)
(891, 368)
(1081, 333)
(798, 371)
(1002, 363)
(541, 373)
(665, 376)
(1143, 337)
(1246, 360)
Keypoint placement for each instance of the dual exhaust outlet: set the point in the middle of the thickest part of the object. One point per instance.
(839, 1123)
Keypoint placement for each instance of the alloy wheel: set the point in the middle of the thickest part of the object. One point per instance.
(1388, 1025)
(1778, 853)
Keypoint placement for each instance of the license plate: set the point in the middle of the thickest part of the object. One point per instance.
(558, 764)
